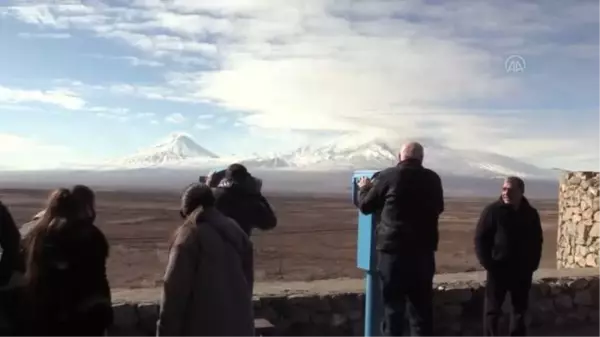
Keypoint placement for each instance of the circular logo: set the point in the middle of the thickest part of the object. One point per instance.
(515, 64)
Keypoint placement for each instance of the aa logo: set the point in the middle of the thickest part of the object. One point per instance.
(515, 64)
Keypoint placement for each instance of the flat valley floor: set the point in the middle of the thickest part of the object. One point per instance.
(315, 237)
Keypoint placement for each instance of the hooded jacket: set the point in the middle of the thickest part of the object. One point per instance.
(208, 280)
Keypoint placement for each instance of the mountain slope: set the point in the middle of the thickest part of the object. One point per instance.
(176, 148)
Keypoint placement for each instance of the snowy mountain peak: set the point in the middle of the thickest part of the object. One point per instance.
(181, 145)
(175, 148)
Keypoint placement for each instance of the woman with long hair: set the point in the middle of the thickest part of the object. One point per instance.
(208, 280)
(65, 267)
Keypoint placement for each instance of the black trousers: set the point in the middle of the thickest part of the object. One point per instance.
(500, 282)
(406, 282)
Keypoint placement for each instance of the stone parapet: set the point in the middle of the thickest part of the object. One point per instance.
(559, 298)
(578, 220)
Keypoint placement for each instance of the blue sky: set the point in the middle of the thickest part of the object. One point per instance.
(87, 81)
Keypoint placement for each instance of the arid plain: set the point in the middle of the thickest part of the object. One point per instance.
(315, 237)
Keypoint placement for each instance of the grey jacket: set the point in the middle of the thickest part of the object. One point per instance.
(208, 280)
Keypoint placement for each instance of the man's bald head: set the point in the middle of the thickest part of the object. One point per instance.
(412, 150)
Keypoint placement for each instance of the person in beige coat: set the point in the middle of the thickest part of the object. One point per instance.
(209, 276)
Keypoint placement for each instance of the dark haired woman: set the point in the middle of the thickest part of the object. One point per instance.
(66, 288)
(209, 275)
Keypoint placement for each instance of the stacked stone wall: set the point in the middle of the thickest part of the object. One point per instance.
(561, 301)
(578, 220)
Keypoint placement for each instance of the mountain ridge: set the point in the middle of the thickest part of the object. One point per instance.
(348, 152)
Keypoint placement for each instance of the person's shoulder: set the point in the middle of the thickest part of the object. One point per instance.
(430, 173)
(529, 207)
(493, 206)
(386, 174)
(185, 235)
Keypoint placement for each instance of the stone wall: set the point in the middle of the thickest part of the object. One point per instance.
(578, 220)
(560, 299)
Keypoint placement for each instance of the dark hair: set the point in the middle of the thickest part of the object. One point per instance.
(516, 181)
(85, 200)
(237, 172)
(83, 195)
(194, 200)
(60, 209)
(194, 196)
(214, 178)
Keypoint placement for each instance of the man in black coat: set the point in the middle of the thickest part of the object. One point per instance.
(410, 200)
(238, 196)
(508, 244)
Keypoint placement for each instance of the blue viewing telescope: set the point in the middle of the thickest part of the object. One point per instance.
(366, 259)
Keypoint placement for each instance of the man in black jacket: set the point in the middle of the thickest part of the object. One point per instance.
(410, 198)
(238, 196)
(508, 244)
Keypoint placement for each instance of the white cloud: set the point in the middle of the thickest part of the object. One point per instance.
(120, 114)
(205, 117)
(132, 60)
(202, 126)
(375, 66)
(11, 143)
(175, 118)
(61, 97)
(27, 35)
(30, 153)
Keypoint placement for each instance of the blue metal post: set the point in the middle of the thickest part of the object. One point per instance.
(367, 260)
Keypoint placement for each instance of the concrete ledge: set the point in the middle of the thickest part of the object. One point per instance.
(559, 298)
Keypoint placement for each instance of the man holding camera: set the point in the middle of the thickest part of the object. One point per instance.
(238, 196)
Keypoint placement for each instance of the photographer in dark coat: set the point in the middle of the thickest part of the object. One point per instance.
(508, 244)
(238, 196)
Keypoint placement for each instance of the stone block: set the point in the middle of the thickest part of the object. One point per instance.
(125, 316)
(147, 317)
(583, 297)
(563, 301)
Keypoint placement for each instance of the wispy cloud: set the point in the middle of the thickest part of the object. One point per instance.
(201, 126)
(27, 35)
(30, 153)
(11, 143)
(175, 118)
(61, 97)
(414, 68)
(120, 114)
(132, 60)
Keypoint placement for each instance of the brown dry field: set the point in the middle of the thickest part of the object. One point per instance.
(315, 237)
